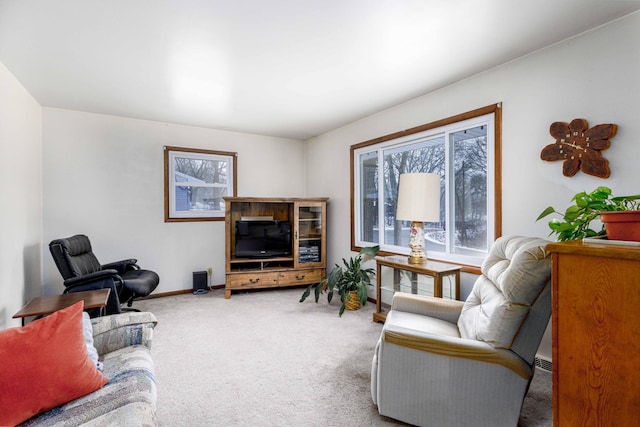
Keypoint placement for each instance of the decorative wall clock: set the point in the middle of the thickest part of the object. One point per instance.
(579, 147)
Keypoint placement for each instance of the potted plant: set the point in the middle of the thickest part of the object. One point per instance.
(613, 212)
(350, 280)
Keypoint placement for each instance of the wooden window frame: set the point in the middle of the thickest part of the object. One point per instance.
(167, 187)
(496, 110)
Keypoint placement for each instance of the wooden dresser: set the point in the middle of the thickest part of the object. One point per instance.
(596, 334)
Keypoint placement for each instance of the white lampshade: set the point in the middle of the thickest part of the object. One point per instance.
(419, 197)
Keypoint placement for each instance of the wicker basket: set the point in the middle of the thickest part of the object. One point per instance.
(352, 302)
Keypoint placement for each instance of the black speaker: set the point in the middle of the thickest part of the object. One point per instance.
(200, 282)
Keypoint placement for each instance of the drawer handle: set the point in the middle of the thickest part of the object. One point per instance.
(254, 280)
(300, 277)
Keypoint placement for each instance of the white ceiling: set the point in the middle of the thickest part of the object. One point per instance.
(288, 68)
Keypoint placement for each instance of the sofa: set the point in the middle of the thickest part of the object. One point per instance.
(126, 391)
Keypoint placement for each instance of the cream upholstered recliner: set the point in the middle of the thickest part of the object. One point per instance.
(446, 363)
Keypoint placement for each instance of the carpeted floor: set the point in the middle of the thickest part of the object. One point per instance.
(264, 359)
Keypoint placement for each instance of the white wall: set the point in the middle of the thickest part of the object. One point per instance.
(21, 197)
(103, 177)
(593, 76)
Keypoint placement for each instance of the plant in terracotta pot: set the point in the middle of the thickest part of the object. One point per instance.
(613, 212)
(350, 281)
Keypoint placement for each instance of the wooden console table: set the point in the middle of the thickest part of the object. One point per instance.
(437, 270)
(40, 306)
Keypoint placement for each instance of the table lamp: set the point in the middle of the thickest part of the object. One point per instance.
(418, 202)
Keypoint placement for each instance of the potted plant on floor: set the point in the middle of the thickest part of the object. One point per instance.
(620, 216)
(350, 280)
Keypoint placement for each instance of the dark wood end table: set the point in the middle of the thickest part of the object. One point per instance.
(40, 306)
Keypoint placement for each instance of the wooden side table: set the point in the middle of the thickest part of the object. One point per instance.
(40, 306)
(437, 270)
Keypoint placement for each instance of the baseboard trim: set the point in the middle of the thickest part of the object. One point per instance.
(180, 292)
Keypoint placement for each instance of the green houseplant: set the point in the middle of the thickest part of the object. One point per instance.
(575, 222)
(350, 281)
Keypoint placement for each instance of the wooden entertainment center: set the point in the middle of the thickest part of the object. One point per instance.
(306, 261)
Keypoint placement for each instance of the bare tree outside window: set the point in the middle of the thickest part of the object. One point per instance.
(202, 171)
(423, 157)
(196, 182)
(470, 195)
(464, 151)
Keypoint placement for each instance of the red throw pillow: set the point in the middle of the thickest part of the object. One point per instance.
(45, 364)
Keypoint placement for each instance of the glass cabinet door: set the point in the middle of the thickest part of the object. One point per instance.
(310, 245)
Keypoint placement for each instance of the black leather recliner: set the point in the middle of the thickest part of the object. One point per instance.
(82, 271)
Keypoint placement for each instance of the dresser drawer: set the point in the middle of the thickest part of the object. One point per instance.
(252, 280)
(300, 276)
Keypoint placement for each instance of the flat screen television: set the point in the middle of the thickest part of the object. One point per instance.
(262, 238)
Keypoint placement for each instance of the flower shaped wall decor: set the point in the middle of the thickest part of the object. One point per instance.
(579, 146)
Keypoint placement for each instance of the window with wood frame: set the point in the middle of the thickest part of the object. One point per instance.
(195, 182)
(465, 151)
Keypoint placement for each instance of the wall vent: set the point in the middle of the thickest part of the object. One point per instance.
(544, 363)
